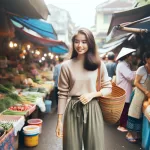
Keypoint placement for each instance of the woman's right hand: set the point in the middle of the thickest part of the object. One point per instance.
(59, 131)
(148, 94)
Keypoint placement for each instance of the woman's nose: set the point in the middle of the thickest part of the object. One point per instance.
(80, 44)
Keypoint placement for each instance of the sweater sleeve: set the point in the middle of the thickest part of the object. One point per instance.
(106, 86)
(63, 89)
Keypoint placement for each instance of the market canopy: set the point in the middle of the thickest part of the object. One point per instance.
(41, 27)
(29, 8)
(129, 16)
(121, 30)
(53, 45)
(113, 44)
(58, 49)
(37, 39)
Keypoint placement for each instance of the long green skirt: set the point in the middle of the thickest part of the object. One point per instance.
(83, 126)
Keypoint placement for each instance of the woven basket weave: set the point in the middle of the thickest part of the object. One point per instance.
(113, 104)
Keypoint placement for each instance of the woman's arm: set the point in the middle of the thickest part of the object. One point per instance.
(138, 84)
(63, 87)
(59, 132)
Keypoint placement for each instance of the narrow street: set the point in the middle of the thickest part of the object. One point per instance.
(114, 139)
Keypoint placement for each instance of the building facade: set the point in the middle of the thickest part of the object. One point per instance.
(62, 23)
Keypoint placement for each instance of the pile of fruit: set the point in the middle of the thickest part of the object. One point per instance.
(20, 107)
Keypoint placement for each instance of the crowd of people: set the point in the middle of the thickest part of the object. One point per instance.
(136, 84)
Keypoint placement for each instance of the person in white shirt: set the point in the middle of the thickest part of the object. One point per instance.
(124, 78)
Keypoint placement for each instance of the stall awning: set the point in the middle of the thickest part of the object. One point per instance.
(37, 39)
(129, 16)
(29, 8)
(41, 27)
(113, 44)
(121, 30)
(58, 49)
(53, 45)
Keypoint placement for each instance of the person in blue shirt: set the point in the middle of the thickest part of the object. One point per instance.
(111, 65)
(56, 74)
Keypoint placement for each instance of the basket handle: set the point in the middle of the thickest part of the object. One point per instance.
(98, 81)
(113, 84)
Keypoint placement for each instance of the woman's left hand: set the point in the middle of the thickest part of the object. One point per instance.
(85, 98)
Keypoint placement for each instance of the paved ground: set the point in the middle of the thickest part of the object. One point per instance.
(114, 139)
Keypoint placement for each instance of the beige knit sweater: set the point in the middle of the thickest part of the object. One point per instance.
(74, 80)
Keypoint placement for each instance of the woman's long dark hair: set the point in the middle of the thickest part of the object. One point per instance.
(92, 59)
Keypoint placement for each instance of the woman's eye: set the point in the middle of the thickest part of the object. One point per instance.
(84, 42)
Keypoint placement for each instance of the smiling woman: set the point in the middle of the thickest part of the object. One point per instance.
(83, 119)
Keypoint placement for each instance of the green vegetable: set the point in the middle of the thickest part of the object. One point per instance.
(12, 112)
(3, 89)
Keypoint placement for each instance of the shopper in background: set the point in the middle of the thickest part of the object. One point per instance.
(124, 78)
(56, 74)
(111, 64)
(83, 121)
(142, 92)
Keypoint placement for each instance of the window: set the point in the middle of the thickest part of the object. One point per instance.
(107, 18)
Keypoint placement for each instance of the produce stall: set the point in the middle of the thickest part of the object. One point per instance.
(15, 107)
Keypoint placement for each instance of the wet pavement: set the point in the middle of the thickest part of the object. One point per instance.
(114, 140)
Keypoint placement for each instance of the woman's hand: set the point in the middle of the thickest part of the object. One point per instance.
(85, 98)
(59, 132)
(147, 93)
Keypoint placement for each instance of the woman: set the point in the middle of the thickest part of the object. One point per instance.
(142, 92)
(124, 78)
(83, 122)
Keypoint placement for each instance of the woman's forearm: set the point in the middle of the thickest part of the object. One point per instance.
(102, 92)
(138, 85)
(59, 117)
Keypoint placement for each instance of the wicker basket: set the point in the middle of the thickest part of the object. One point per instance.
(113, 104)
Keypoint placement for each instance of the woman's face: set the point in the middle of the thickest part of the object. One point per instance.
(80, 44)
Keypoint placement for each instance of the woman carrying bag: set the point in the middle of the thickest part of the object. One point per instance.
(83, 121)
(142, 92)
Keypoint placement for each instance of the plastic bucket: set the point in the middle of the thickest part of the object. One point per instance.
(31, 140)
(48, 104)
(37, 122)
(31, 135)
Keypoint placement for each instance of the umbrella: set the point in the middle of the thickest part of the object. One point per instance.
(29, 8)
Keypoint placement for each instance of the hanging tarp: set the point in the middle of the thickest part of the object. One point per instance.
(112, 45)
(36, 39)
(54, 46)
(58, 49)
(126, 28)
(41, 27)
(129, 16)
